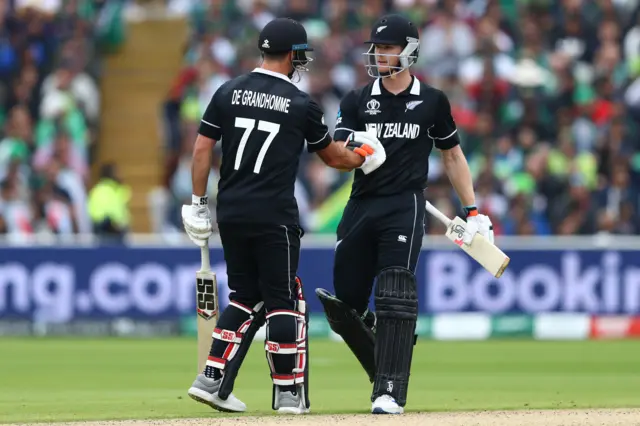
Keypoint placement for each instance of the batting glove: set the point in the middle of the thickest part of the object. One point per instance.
(367, 145)
(477, 224)
(196, 219)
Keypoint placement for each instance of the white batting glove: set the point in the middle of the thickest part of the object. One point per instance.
(196, 219)
(477, 224)
(367, 145)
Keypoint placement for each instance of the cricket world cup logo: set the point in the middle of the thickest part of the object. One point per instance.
(373, 107)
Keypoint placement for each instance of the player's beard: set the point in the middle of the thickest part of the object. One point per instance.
(390, 72)
(294, 75)
(299, 63)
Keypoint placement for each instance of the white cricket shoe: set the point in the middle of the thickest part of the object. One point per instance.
(385, 404)
(205, 390)
(290, 403)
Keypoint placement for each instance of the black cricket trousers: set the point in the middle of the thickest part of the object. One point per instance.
(262, 262)
(376, 233)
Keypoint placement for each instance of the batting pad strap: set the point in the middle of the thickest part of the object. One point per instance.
(216, 362)
(285, 312)
(243, 307)
(287, 379)
(228, 335)
(282, 348)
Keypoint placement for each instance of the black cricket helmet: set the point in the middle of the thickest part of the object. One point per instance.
(283, 35)
(393, 30)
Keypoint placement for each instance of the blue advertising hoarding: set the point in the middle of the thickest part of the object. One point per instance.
(64, 284)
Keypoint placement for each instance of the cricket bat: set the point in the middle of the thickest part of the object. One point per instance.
(207, 306)
(481, 250)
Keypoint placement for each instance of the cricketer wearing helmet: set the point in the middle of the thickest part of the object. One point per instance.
(380, 234)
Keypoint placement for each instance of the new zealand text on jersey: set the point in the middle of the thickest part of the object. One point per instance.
(260, 100)
(395, 130)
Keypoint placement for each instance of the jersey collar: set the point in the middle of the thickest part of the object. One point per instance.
(376, 89)
(272, 74)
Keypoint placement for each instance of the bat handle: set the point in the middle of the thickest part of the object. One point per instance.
(204, 256)
(437, 213)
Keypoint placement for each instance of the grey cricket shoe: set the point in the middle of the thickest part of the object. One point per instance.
(205, 390)
(290, 403)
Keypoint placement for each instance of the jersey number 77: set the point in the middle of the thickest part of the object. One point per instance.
(249, 125)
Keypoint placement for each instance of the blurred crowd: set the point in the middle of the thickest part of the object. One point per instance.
(545, 93)
(49, 114)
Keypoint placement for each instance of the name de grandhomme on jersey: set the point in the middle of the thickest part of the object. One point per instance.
(260, 100)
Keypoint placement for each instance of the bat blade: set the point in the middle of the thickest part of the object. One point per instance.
(207, 313)
(488, 255)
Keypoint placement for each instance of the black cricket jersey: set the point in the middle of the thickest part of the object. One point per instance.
(408, 124)
(262, 120)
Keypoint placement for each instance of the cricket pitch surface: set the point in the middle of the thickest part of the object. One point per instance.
(589, 417)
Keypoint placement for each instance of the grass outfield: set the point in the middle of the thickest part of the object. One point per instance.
(80, 379)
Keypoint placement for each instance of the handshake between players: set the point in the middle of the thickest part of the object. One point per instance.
(198, 223)
(385, 131)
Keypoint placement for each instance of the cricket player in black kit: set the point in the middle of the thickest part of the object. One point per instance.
(263, 121)
(380, 235)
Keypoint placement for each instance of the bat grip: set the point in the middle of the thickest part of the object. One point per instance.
(204, 257)
(437, 213)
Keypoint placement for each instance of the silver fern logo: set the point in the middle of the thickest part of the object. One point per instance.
(411, 105)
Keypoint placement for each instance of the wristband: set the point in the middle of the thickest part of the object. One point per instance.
(470, 210)
(199, 201)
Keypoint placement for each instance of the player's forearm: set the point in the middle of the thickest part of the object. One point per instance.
(348, 160)
(457, 169)
(338, 157)
(201, 166)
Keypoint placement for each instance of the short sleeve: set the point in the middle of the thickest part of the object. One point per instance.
(347, 121)
(211, 123)
(444, 132)
(316, 132)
